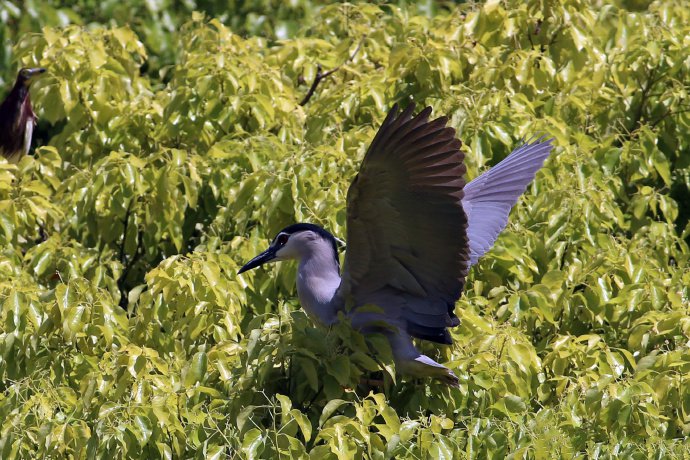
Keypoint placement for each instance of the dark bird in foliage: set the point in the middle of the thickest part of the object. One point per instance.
(414, 229)
(17, 119)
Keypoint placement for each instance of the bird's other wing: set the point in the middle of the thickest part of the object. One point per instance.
(406, 229)
(28, 135)
(489, 198)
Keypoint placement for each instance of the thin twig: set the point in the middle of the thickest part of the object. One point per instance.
(639, 113)
(669, 113)
(311, 401)
(314, 84)
(555, 35)
(537, 29)
(321, 75)
(123, 256)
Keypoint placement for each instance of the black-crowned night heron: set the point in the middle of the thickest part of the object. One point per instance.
(17, 119)
(413, 231)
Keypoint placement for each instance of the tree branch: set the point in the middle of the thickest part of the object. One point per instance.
(669, 113)
(652, 79)
(128, 262)
(321, 75)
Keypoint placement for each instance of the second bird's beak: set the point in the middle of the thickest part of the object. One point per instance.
(34, 72)
(266, 256)
(29, 75)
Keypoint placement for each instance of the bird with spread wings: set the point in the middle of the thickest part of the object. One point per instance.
(414, 229)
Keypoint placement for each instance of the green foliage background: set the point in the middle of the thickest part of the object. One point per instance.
(173, 146)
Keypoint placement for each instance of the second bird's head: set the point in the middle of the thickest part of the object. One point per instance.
(295, 242)
(27, 75)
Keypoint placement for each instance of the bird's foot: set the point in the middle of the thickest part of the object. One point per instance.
(449, 378)
(423, 366)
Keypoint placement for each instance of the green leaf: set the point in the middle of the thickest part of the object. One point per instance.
(329, 409)
(142, 429)
(303, 422)
(252, 444)
(340, 369)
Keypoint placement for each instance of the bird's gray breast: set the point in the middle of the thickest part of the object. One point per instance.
(317, 295)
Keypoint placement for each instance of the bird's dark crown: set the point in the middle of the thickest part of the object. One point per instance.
(322, 232)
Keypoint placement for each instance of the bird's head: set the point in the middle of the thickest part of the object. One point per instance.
(295, 242)
(27, 75)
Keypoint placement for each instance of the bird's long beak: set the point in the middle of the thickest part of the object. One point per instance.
(266, 256)
(34, 72)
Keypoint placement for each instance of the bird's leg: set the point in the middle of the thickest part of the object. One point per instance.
(423, 366)
(409, 361)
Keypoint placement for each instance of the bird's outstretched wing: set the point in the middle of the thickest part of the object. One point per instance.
(489, 198)
(406, 230)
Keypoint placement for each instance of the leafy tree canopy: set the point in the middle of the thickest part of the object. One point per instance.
(172, 145)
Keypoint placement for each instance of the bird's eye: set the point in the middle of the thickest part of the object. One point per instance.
(282, 239)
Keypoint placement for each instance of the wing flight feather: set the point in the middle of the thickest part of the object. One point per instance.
(407, 244)
(488, 198)
(414, 228)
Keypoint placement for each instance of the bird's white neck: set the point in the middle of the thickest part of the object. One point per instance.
(318, 279)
